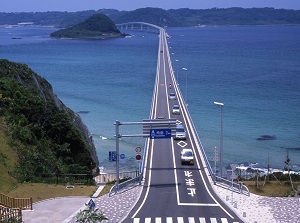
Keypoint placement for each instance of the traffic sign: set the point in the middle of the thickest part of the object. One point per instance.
(138, 157)
(122, 158)
(160, 133)
(138, 149)
(112, 156)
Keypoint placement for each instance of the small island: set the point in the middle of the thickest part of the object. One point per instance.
(97, 26)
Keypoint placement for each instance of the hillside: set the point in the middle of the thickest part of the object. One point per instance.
(40, 136)
(97, 26)
(172, 17)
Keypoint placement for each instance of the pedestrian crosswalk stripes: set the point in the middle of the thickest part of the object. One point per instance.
(182, 220)
(158, 220)
(169, 220)
(202, 220)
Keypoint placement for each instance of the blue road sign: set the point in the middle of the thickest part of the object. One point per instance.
(160, 133)
(122, 158)
(112, 156)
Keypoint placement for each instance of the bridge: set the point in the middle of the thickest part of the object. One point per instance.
(173, 192)
(139, 26)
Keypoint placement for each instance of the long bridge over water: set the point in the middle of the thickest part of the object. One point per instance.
(172, 190)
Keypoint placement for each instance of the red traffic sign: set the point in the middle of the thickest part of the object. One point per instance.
(138, 157)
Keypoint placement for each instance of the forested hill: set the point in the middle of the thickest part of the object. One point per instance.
(173, 17)
(47, 137)
(98, 26)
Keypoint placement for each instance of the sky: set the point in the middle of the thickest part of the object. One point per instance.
(128, 5)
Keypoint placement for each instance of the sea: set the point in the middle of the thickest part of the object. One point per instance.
(253, 70)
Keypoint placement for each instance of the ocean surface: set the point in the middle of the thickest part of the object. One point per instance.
(253, 70)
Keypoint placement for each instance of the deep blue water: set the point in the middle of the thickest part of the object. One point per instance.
(253, 70)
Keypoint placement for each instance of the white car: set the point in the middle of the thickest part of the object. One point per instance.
(180, 132)
(175, 110)
(187, 156)
(172, 96)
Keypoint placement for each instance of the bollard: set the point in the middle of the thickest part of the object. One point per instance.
(227, 198)
(235, 205)
(244, 214)
(121, 214)
(127, 205)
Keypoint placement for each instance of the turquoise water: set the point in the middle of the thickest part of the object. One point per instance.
(253, 70)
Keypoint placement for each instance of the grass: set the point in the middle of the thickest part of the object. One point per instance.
(271, 188)
(41, 191)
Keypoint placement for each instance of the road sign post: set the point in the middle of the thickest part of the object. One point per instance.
(160, 129)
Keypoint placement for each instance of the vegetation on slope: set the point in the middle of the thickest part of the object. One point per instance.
(97, 26)
(39, 129)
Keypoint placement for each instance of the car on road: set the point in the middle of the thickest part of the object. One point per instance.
(172, 96)
(176, 110)
(180, 132)
(187, 156)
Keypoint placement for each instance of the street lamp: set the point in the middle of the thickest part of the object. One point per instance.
(221, 137)
(186, 90)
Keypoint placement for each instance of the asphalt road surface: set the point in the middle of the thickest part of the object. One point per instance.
(174, 192)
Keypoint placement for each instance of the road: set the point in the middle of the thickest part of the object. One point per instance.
(174, 192)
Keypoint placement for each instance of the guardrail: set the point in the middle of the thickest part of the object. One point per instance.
(104, 178)
(127, 184)
(10, 214)
(10, 202)
(230, 185)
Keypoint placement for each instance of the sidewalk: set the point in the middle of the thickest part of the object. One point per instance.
(260, 209)
(54, 210)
